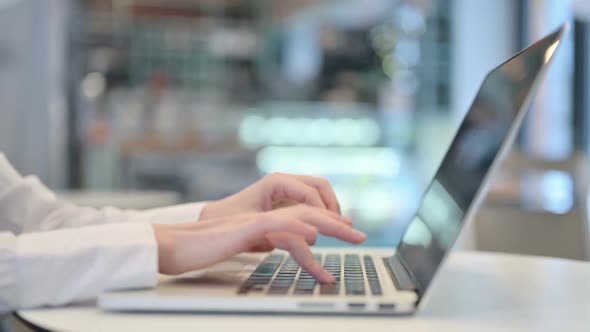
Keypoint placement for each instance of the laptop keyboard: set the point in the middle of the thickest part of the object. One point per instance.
(281, 275)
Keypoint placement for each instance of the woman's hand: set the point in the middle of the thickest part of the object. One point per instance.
(191, 246)
(275, 190)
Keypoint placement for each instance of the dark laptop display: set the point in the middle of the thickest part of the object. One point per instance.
(486, 126)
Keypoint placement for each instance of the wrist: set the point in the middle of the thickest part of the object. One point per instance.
(210, 211)
(166, 243)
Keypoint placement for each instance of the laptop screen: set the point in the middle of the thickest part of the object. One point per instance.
(484, 129)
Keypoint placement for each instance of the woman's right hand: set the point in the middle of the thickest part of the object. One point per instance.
(192, 246)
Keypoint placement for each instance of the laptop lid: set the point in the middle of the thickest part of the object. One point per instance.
(486, 132)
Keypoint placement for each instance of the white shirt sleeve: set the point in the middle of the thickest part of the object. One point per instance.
(53, 252)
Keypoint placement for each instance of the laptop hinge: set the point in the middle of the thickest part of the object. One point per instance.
(398, 273)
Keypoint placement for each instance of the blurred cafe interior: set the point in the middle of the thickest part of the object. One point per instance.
(145, 103)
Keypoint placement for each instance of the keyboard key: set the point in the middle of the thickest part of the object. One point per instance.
(372, 276)
(266, 269)
(262, 275)
(330, 289)
(274, 259)
(355, 291)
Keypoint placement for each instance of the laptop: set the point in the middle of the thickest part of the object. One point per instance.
(372, 281)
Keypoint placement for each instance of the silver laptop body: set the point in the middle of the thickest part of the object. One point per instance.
(379, 281)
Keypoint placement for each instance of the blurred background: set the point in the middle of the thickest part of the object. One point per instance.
(144, 103)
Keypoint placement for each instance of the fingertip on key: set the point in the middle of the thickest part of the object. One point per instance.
(329, 278)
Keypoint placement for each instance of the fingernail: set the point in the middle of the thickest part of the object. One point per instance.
(358, 234)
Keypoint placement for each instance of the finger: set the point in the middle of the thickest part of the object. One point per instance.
(308, 240)
(265, 223)
(325, 189)
(288, 188)
(302, 254)
(285, 204)
(311, 237)
(265, 247)
(266, 244)
(347, 220)
(340, 218)
(328, 225)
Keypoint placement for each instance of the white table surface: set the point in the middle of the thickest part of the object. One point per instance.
(475, 292)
